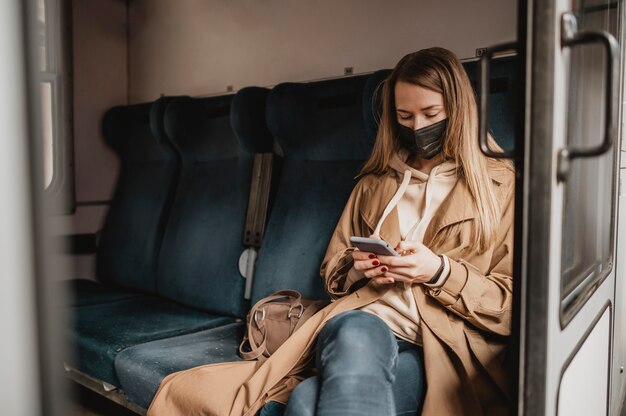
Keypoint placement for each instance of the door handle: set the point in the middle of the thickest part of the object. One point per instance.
(570, 37)
(483, 110)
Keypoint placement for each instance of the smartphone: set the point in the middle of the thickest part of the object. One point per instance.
(373, 245)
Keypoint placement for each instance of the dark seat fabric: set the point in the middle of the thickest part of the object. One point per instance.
(99, 332)
(132, 231)
(81, 292)
(141, 369)
(372, 104)
(504, 83)
(321, 130)
(131, 236)
(203, 240)
(198, 264)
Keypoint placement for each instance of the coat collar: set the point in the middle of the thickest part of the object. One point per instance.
(455, 208)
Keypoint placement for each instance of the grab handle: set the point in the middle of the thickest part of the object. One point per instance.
(483, 112)
(571, 37)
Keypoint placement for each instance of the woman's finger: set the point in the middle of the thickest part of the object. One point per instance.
(375, 271)
(366, 264)
(397, 261)
(409, 246)
(363, 255)
(384, 280)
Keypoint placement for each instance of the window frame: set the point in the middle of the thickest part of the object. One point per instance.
(58, 72)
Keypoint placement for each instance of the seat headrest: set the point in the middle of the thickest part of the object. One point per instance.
(247, 117)
(372, 102)
(157, 114)
(199, 128)
(128, 131)
(503, 80)
(320, 121)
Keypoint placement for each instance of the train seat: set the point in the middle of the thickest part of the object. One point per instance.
(110, 313)
(197, 283)
(198, 263)
(130, 239)
(81, 292)
(321, 130)
(503, 81)
(127, 249)
(100, 331)
(141, 368)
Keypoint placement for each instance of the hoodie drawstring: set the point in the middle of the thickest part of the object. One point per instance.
(394, 201)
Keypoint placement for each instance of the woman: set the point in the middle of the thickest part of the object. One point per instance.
(427, 149)
(429, 192)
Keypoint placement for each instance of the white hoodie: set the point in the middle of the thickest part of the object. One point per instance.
(418, 197)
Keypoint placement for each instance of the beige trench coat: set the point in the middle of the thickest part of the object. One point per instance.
(464, 324)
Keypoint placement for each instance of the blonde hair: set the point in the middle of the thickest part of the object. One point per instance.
(439, 70)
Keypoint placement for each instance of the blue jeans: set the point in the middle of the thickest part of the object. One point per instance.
(363, 369)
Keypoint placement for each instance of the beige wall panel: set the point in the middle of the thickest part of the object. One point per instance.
(100, 82)
(198, 47)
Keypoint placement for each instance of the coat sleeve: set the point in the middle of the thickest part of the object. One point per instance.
(338, 260)
(484, 300)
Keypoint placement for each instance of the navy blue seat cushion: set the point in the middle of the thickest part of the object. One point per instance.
(101, 331)
(198, 264)
(310, 198)
(320, 120)
(320, 127)
(81, 292)
(247, 118)
(133, 229)
(372, 101)
(504, 83)
(141, 369)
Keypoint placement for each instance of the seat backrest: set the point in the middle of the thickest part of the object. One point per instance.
(503, 80)
(320, 128)
(133, 229)
(198, 263)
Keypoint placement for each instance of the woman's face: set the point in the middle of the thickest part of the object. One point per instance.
(418, 107)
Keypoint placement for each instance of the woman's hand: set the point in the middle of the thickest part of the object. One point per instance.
(370, 265)
(417, 263)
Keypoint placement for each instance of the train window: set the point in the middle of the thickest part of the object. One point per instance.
(47, 128)
(589, 198)
(53, 45)
(51, 40)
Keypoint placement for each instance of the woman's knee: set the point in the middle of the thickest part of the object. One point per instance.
(357, 326)
(355, 337)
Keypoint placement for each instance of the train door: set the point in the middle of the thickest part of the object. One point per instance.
(570, 171)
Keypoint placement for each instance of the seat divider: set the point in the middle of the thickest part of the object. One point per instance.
(257, 214)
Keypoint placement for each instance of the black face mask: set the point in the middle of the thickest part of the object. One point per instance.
(426, 142)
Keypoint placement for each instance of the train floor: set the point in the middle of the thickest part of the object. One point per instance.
(85, 402)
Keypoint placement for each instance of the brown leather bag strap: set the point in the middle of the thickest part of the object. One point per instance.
(310, 310)
(254, 353)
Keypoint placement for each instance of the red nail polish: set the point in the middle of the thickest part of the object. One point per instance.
(372, 256)
(375, 262)
(384, 269)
